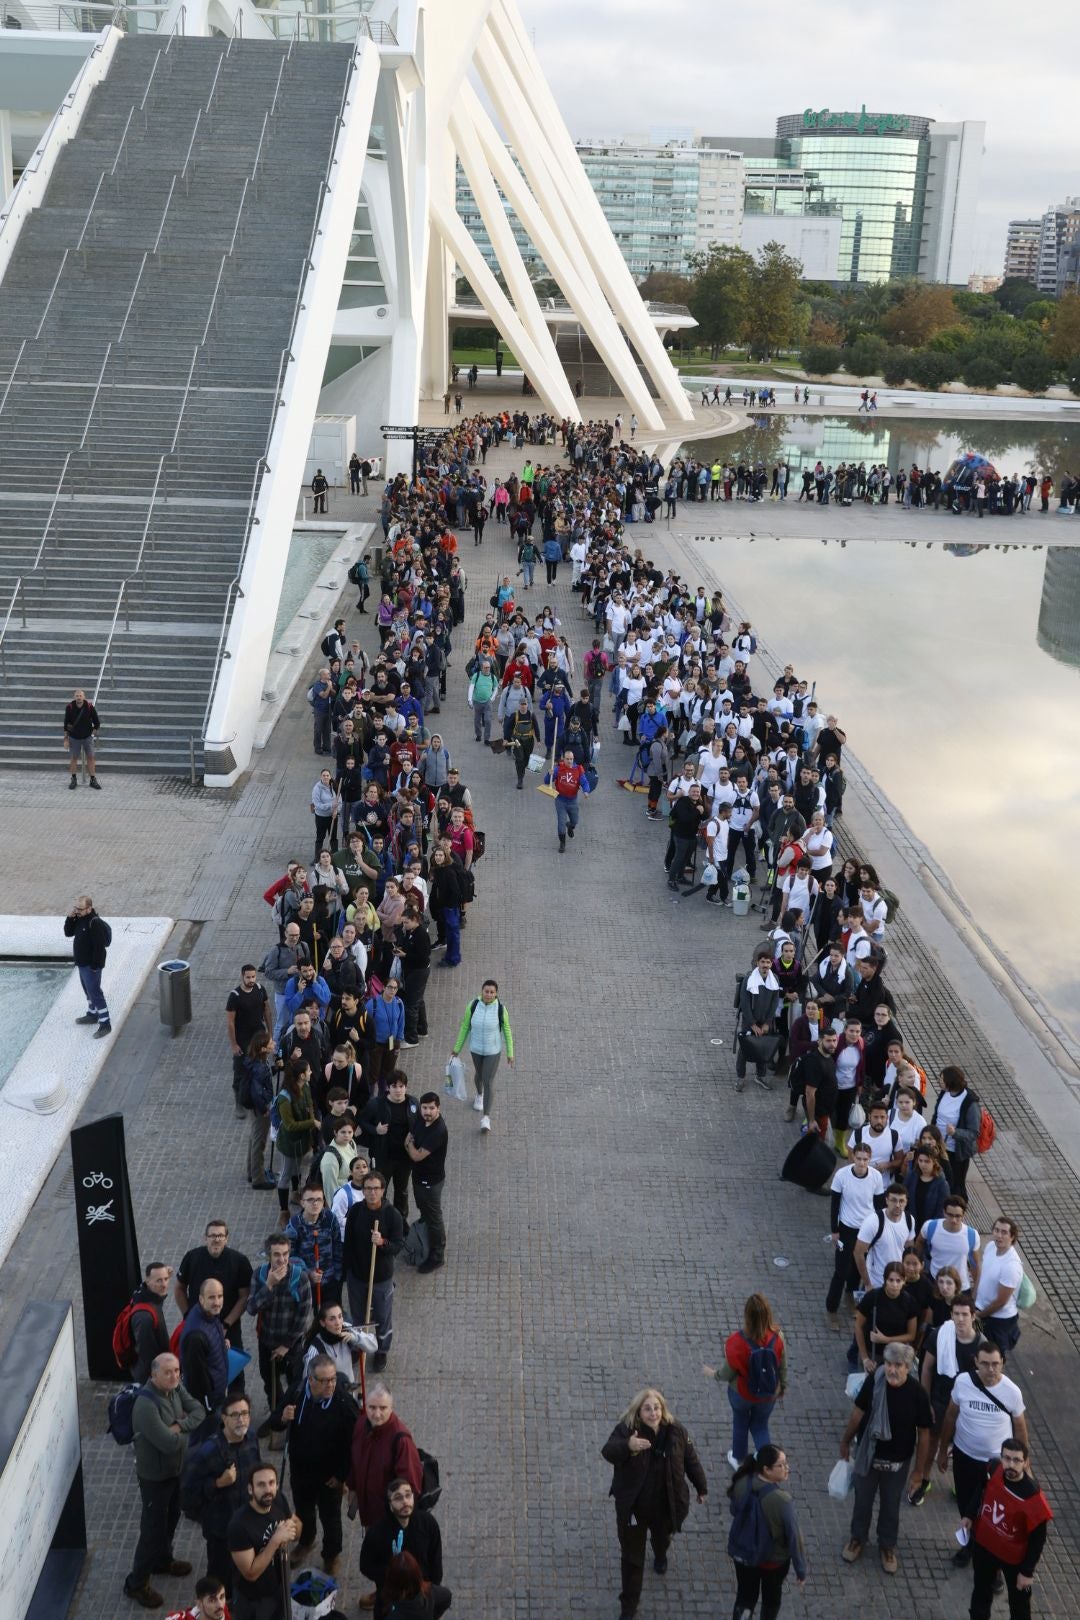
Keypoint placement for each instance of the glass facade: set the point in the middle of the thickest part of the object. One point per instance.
(878, 182)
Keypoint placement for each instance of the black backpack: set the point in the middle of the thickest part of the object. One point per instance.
(430, 1488)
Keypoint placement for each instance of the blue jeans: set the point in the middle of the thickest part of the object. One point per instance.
(748, 1418)
(452, 923)
(527, 571)
(566, 810)
(90, 979)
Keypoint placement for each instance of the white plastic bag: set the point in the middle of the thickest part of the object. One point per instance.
(710, 876)
(853, 1383)
(455, 1079)
(840, 1479)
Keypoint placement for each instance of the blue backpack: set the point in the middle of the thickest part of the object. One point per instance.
(763, 1372)
(750, 1540)
(121, 1424)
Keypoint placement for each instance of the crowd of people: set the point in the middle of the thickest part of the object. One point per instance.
(748, 774)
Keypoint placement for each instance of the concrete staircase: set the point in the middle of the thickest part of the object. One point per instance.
(143, 322)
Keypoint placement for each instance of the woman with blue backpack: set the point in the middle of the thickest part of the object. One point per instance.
(765, 1540)
(755, 1371)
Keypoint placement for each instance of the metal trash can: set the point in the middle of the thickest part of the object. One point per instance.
(375, 559)
(821, 399)
(174, 994)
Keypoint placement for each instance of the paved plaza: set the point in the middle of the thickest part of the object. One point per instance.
(627, 1200)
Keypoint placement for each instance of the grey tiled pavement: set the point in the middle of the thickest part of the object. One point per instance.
(602, 1237)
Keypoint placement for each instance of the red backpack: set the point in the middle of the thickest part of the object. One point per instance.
(987, 1130)
(123, 1344)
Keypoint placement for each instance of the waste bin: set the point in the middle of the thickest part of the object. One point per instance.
(821, 399)
(375, 559)
(174, 994)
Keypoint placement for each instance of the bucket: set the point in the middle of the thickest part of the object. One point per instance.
(740, 900)
(810, 1163)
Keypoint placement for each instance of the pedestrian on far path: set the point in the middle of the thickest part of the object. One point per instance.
(486, 1027)
(653, 1457)
(766, 1474)
(570, 780)
(91, 937)
(354, 474)
(81, 726)
(319, 487)
(755, 1371)
(163, 1416)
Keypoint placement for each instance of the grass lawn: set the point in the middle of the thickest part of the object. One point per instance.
(481, 357)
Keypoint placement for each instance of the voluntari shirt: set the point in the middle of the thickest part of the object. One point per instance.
(981, 1425)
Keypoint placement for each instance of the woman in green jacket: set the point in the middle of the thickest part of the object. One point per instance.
(486, 1027)
(296, 1111)
(765, 1473)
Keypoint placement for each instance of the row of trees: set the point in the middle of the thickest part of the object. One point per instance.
(902, 331)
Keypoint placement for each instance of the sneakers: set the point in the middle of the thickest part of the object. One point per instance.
(832, 1322)
(962, 1559)
(852, 1552)
(569, 832)
(94, 783)
(562, 846)
(485, 1123)
(378, 1362)
(407, 1046)
(763, 1081)
(713, 900)
(660, 1565)
(918, 1496)
(73, 783)
(144, 1596)
(733, 1461)
(789, 1113)
(889, 1561)
(478, 1105)
(266, 1184)
(175, 1566)
(101, 1031)
(87, 1018)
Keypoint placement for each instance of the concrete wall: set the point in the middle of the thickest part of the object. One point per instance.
(813, 238)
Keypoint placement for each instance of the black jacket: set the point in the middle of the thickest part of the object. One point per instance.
(91, 937)
(389, 1147)
(415, 949)
(357, 1251)
(632, 1467)
(149, 1334)
(320, 1434)
(205, 1464)
(422, 1538)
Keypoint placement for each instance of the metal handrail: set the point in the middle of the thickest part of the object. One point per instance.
(7, 621)
(123, 138)
(52, 294)
(183, 402)
(131, 300)
(149, 515)
(157, 58)
(52, 511)
(93, 402)
(234, 586)
(164, 215)
(109, 642)
(213, 299)
(239, 211)
(11, 374)
(217, 74)
(277, 86)
(258, 149)
(191, 146)
(90, 210)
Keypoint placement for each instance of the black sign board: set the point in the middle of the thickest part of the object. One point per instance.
(108, 1248)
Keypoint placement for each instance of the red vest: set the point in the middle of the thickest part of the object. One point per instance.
(1006, 1520)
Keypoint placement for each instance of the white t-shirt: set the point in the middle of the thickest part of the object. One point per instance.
(998, 1271)
(847, 1063)
(908, 1130)
(889, 1246)
(981, 1427)
(857, 1194)
(881, 1146)
(951, 1248)
(819, 848)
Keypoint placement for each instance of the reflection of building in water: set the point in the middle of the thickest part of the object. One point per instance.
(1059, 610)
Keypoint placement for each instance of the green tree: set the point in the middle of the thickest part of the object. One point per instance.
(896, 368)
(1034, 370)
(1041, 312)
(866, 355)
(921, 312)
(1014, 295)
(871, 304)
(719, 294)
(983, 371)
(952, 339)
(666, 287)
(774, 289)
(1065, 341)
(820, 359)
(931, 369)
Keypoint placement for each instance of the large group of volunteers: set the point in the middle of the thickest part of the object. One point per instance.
(748, 775)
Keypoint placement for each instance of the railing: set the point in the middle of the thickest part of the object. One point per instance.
(93, 402)
(277, 87)
(233, 593)
(109, 642)
(239, 211)
(183, 402)
(213, 299)
(259, 148)
(120, 148)
(213, 87)
(150, 80)
(89, 211)
(164, 215)
(149, 515)
(131, 300)
(52, 512)
(11, 375)
(52, 294)
(191, 147)
(7, 621)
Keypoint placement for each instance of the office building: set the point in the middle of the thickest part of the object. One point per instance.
(1022, 250)
(1059, 232)
(905, 187)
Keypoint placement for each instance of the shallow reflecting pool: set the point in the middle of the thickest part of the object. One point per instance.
(27, 992)
(956, 674)
(934, 442)
(309, 553)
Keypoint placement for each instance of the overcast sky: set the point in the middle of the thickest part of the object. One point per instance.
(620, 66)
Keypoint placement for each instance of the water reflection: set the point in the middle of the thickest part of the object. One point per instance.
(942, 663)
(1014, 447)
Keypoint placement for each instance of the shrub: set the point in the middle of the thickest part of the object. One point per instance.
(930, 369)
(983, 371)
(820, 359)
(897, 367)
